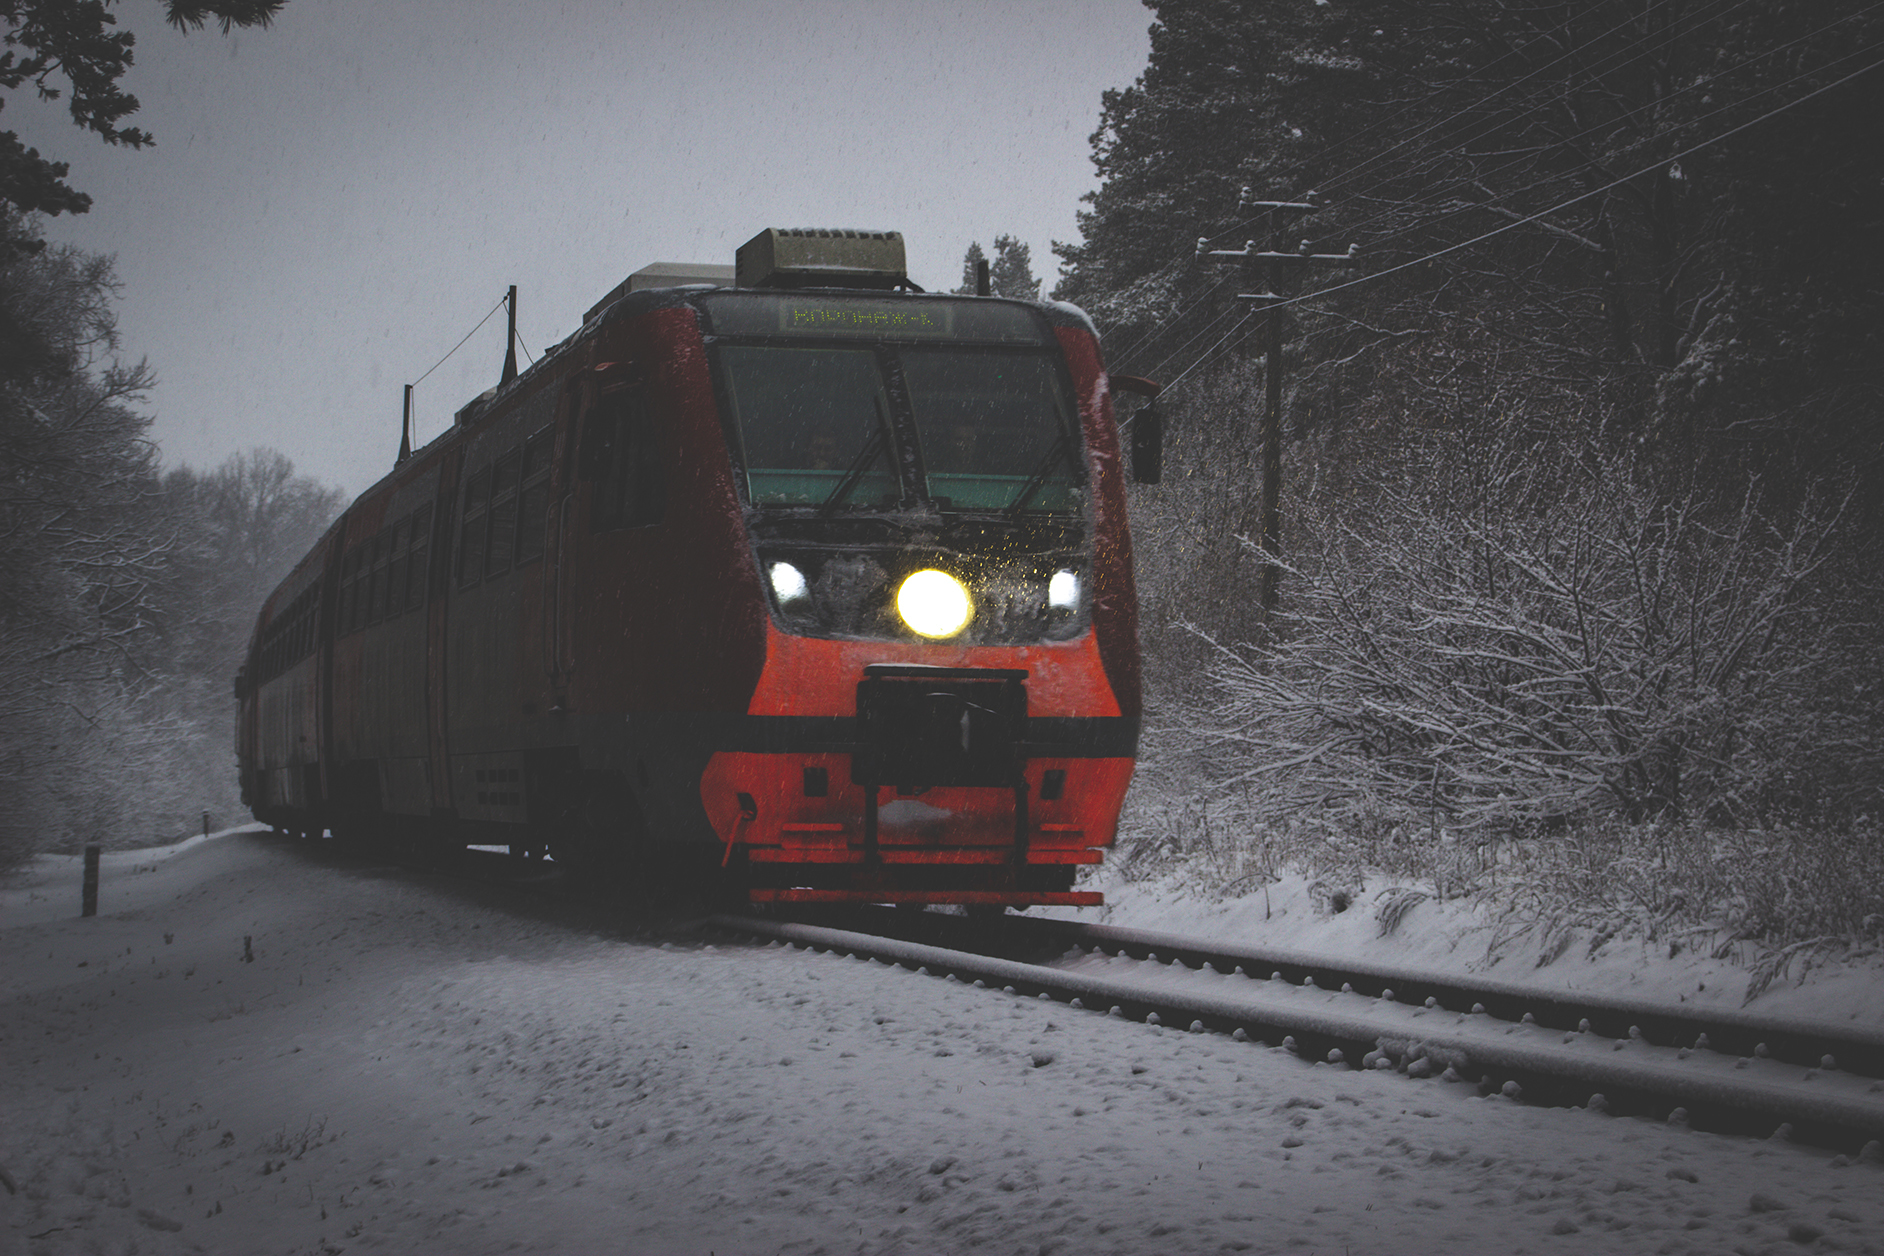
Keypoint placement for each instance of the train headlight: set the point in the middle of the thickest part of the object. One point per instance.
(789, 583)
(1063, 591)
(933, 603)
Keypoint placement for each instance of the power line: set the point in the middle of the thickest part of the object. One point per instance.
(1158, 329)
(1580, 197)
(1203, 357)
(1584, 196)
(1401, 207)
(1199, 334)
(1348, 174)
(1641, 50)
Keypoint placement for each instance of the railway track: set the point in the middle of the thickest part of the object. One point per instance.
(1720, 1071)
(1724, 1032)
(1613, 1055)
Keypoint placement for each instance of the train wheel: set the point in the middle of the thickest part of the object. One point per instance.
(600, 843)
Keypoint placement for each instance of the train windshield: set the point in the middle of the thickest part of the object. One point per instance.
(872, 403)
(995, 430)
(814, 424)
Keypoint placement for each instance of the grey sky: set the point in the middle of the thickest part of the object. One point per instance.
(333, 202)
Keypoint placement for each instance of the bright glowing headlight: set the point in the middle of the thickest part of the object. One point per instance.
(789, 583)
(1063, 591)
(933, 603)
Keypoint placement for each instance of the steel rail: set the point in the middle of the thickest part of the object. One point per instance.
(1661, 1088)
(1852, 1050)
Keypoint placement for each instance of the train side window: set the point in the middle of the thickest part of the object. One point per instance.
(477, 494)
(349, 581)
(533, 501)
(375, 560)
(630, 490)
(396, 569)
(362, 582)
(418, 567)
(503, 514)
(644, 484)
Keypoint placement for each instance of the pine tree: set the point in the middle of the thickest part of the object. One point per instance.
(971, 262)
(1013, 272)
(1711, 294)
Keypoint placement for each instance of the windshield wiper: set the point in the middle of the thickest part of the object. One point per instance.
(866, 458)
(1061, 449)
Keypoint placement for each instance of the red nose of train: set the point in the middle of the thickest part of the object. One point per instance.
(982, 778)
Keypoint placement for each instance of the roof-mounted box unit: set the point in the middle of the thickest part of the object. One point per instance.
(820, 258)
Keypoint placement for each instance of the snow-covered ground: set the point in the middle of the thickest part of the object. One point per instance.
(255, 1048)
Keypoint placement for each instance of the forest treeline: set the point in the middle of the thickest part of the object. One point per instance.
(127, 592)
(1582, 461)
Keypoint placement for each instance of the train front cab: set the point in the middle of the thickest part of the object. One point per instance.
(964, 442)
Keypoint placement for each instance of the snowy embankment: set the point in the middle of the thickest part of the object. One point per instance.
(1460, 937)
(256, 1049)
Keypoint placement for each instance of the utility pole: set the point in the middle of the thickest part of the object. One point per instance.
(1281, 215)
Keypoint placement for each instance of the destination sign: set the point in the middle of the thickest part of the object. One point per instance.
(870, 318)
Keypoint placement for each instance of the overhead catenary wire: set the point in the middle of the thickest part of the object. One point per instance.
(461, 343)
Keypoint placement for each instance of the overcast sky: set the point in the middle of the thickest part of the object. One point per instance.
(333, 202)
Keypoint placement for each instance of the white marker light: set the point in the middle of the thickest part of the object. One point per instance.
(1063, 590)
(933, 603)
(789, 583)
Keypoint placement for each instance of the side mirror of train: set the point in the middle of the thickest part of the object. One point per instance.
(240, 676)
(1147, 428)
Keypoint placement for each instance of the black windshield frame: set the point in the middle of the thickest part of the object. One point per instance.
(1024, 337)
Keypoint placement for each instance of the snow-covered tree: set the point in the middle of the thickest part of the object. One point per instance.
(971, 265)
(1012, 274)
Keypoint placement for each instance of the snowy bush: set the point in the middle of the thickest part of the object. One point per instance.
(1506, 644)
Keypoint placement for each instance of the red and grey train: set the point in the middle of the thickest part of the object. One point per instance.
(810, 578)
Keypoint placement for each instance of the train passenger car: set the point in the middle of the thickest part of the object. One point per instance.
(810, 578)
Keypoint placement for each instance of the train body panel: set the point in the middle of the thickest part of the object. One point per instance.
(651, 595)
